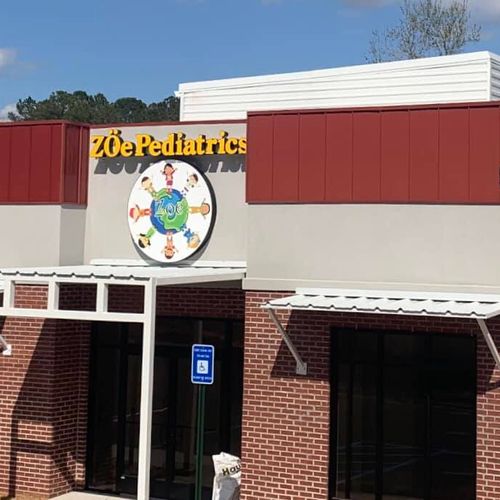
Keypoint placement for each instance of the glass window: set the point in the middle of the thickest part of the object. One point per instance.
(114, 418)
(104, 419)
(405, 417)
(364, 432)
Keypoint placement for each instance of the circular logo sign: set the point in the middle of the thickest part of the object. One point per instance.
(171, 211)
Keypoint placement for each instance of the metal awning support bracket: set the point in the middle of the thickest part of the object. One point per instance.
(6, 348)
(489, 341)
(301, 368)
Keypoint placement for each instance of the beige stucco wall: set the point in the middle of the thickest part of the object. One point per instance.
(110, 182)
(41, 235)
(374, 246)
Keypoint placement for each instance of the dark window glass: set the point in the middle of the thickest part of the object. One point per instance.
(453, 418)
(364, 432)
(108, 334)
(104, 419)
(404, 349)
(404, 433)
(405, 418)
(177, 331)
(344, 402)
(115, 411)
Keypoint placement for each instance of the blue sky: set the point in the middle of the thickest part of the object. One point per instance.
(145, 49)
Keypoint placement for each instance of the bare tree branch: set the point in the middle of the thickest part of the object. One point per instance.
(426, 28)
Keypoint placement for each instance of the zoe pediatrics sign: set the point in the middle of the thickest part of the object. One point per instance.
(174, 144)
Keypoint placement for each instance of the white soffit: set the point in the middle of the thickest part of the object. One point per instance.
(459, 305)
(175, 275)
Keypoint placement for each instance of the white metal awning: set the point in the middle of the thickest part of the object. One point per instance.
(479, 307)
(150, 277)
(103, 277)
(458, 305)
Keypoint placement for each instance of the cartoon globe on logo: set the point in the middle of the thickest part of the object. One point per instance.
(170, 211)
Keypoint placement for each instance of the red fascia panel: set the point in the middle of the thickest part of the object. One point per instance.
(366, 156)
(339, 157)
(42, 163)
(312, 158)
(441, 154)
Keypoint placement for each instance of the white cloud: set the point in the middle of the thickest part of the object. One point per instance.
(8, 58)
(4, 112)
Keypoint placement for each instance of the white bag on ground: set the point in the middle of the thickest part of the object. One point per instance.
(227, 478)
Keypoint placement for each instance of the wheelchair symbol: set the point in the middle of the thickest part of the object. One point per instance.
(202, 366)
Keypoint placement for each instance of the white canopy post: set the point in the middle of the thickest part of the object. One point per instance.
(7, 301)
(147, 376)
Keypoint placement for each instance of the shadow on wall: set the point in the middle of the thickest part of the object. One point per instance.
(312, 340)
(311, 334)
(48, 423)
(207, 164)
(46, 454)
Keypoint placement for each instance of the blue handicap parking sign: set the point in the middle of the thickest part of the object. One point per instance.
(202, 364)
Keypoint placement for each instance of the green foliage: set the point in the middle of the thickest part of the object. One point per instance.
(82, 107)
(426, 28)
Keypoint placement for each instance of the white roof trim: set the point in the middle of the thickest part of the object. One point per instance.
(443, 305)
(186, 263)
(172, 275)
(375, 68)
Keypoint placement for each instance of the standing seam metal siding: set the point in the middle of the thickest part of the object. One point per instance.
(44, 162)
(439, 154)
(495, 77)
(457, 78)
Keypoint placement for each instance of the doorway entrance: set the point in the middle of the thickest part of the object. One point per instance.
(403, 416)
(114, 405)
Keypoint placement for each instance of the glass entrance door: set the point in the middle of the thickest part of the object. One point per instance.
(404, 416)
(164, 428)
(115, 406)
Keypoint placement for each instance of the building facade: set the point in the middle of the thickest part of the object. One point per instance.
(342, 262)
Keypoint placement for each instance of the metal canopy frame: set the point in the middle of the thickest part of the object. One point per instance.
(301, 366)
(478, 307)
(150, 279)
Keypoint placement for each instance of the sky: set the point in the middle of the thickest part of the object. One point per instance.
(146, 48)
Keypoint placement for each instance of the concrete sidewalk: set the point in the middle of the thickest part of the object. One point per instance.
(83, 495)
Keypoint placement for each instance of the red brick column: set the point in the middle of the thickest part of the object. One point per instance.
(285, 416)
(488, 419)
(43, 403)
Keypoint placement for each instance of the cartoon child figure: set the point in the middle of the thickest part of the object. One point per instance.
(203, 209)
(169, 249)
(168, 172)
(136, 212)
(191, 182)
(193, 239)
(147, 185)
(144, 239)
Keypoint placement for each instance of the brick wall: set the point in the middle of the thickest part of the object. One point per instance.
(286, 416)
(44, 384)
(43, 396)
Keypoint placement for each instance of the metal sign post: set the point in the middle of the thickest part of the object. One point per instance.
(202, 374)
